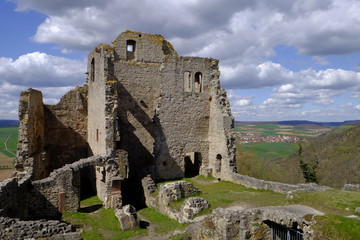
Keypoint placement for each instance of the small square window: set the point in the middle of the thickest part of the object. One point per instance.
(130, 48)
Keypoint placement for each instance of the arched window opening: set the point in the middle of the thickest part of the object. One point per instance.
(218, 163)
(187, 82)
(130, 49)
(92, 70)
(198, 82)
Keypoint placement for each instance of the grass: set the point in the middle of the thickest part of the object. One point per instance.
(224, 194)
(162, 223)
(10, 136)
(331, 227)
(264, 150)
(333, 201)
(101, 224)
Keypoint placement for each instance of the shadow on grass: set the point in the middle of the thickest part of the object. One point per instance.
(90, 209)
(144, 224)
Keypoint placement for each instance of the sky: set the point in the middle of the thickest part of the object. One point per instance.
(279, 59)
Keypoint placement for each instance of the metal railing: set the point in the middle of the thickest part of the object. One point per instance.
(280, 232)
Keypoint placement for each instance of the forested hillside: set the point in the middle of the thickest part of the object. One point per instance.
(332, 159)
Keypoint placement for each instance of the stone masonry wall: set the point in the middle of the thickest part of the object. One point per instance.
(182, 118)
(221, 141)
(251, 182)
(12, 195)
(252, 224)
(30, 155)
(60, 192)
(12, 228)
(66, 129)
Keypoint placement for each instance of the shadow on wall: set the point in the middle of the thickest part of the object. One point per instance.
(39, 207)
(139, 148)
(63, 145)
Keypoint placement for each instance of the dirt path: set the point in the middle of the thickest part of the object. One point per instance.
(6, 148)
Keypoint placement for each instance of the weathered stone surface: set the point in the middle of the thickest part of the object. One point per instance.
(12, 228)
(351, 187)
(192, 206)
(127, 217)
(171, 192)
(357, 210)
(255, 183)
(254, 223)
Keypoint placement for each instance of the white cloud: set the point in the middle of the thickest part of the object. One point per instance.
(54, 76)
(242, 34)
(39, 69)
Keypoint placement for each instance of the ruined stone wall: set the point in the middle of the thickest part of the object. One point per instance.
(252, 224)
(183, 118)
(30, 156)
(221, 141)
(96, 102)
(162, 109)
(138, 91)
(12, 228)
(255, 183)
(60, 192)
(13, 198)
(66, 129)
(147, 48)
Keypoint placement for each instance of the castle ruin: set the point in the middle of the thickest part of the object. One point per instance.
(144, 111)
(144, 115)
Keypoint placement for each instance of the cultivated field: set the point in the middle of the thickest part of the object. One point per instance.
(8, 142)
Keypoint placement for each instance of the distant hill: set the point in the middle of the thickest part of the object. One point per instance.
(9, 123)
(332, 159)
(299, 122)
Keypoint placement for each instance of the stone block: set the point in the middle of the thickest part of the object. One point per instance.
(127, 217)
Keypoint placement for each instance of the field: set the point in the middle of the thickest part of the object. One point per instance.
(8, 142)
(300, 130)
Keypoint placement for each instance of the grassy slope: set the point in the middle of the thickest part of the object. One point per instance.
(269, 161)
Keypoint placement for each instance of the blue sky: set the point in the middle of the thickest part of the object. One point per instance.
(279, 60)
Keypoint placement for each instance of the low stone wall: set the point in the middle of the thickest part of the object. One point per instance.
(13, 228)
(251, 182)
(351, 187)
(13, 197)
(60, 192)
(252, 224)
(171, 192)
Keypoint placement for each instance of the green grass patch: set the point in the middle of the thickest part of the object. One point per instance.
(8, 135)
(223, 194)
(334, 227)
(161, 222)
(101, 224)
(333, 201)
(264, 150)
